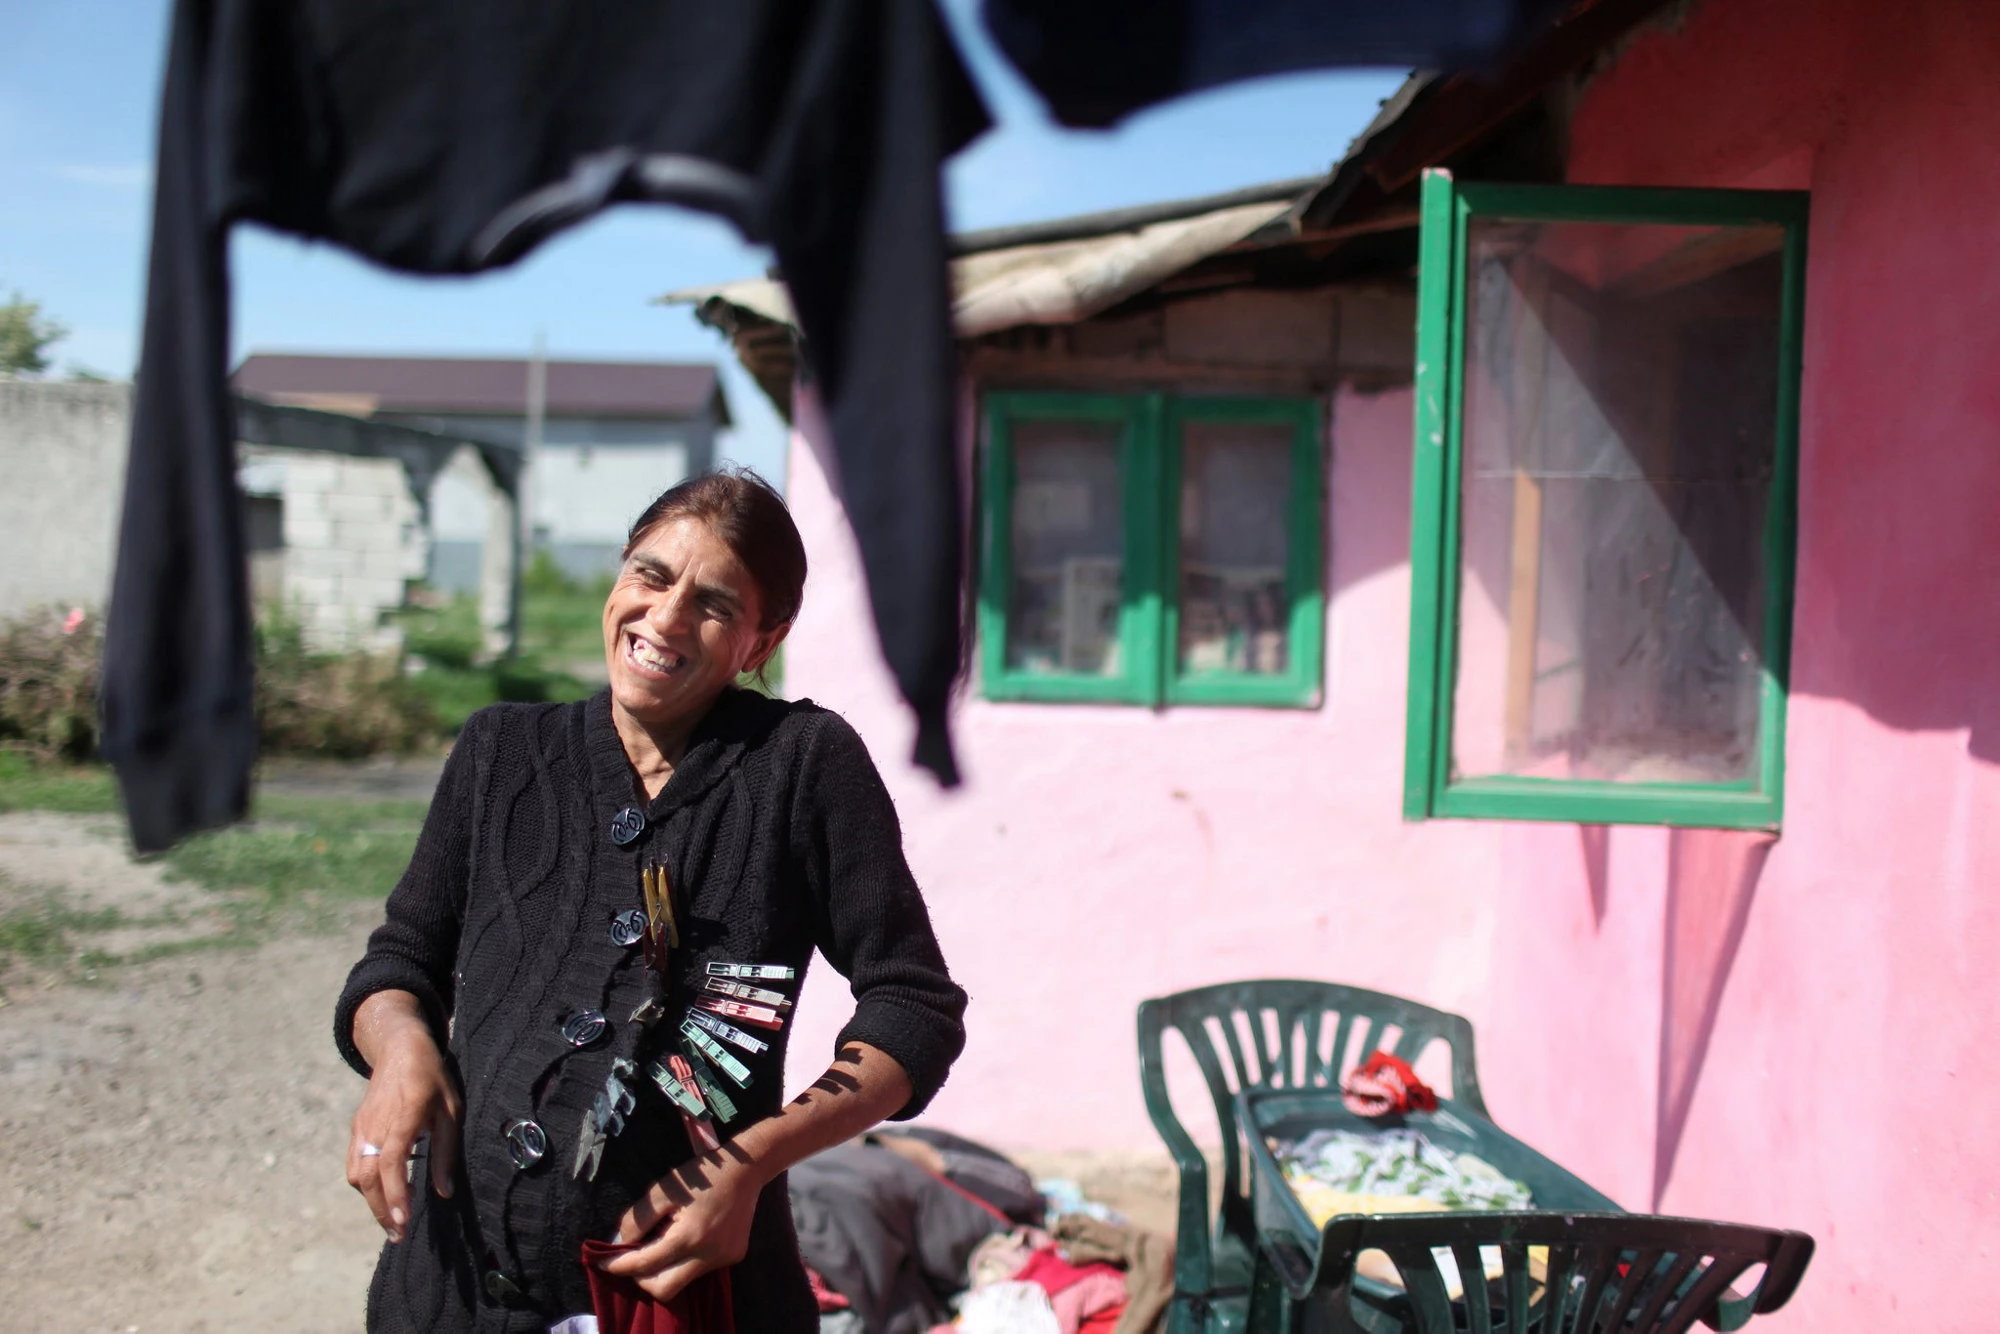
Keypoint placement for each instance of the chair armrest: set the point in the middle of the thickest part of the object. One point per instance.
(1194, 1269)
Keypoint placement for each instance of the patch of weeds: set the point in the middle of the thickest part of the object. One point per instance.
(561, 618)
(457, 693)
(50, 936)
(27, 784)
(560, 624)
(297, 863)
(333, 706)
(301, 853)
(43, 933)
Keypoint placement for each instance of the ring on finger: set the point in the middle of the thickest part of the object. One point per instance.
(371, 1150)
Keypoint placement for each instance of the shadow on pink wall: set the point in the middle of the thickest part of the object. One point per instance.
(1712, 877)
(1596, 840)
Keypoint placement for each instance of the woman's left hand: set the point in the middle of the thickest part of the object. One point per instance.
(693, 1220)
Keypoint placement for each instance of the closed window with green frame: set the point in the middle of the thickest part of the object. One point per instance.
(1602, 541)
(1151, 549)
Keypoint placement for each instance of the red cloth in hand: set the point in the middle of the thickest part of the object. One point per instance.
(704, 1306)
(828, 1299)
(1383, 1084)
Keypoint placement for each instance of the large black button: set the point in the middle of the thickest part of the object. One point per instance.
(628, 927)
(526, 1143)
(504, 1290)
(585, 1028)
(627, 825)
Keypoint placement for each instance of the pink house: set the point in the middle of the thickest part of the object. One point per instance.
(1672, 760)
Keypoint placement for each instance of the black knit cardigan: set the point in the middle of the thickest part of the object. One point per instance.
(779, 838)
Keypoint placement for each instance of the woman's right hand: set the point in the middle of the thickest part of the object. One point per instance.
(410, 1094)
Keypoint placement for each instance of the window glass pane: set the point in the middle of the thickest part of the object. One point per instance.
(1068, 534)
(1620, 414)
(1236, 484)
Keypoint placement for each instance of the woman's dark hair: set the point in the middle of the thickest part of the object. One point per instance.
(749, 515)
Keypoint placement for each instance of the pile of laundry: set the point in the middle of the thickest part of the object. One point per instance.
(1390, 1171)
(919, 1230)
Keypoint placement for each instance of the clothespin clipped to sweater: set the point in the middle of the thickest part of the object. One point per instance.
(676, 1079)
(663, 934)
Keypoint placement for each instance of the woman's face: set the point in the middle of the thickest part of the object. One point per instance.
(681, 624)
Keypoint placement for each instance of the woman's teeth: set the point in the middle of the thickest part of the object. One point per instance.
(647, 656)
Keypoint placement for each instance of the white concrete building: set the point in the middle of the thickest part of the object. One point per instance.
(613, 436)
(349, 539)
(333, 509)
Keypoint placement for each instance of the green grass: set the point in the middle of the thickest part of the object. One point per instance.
(304, 850)
(564, 625)
(457, 693)
(46, 931)
(560, 625)
(86, 789)
(293, 864)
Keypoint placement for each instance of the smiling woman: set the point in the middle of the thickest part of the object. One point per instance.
(574, 1019)
(714, 573)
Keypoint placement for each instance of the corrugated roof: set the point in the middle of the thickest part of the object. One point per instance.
(362, 386)
(1055, 281)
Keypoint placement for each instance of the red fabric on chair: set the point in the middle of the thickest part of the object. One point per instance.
(1052, 1273)
(1383, 1084)
(704, 1306)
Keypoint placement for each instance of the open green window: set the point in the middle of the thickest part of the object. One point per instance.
(1151, 549)
(1603, 526)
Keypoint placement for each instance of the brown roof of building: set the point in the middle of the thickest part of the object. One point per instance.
(363, 386)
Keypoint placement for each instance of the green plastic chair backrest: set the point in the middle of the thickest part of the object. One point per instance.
(1273, 1033)
(1629, 1273)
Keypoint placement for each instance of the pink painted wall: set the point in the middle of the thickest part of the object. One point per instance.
(1827, 1018)
(1100, 855)
(1800, 1032)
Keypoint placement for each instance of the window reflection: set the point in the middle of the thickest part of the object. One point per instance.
(1236, 482)
(1619, 435)
(1068, 545)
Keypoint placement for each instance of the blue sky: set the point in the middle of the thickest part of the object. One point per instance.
(79, 81)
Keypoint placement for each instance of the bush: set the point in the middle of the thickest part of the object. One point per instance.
(339, 705)
(335, 705)
(445, 635)
(560, 629)
(48, 683)
(545, 577)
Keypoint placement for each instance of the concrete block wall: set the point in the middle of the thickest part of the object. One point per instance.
(353, 532)
(62, 455)
(354, 538)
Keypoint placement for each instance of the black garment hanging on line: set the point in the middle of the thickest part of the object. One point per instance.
(1099, 62)
(439, 138)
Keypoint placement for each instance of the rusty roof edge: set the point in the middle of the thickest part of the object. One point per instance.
(1322, 205)
(1570, 42)
(1086, 226)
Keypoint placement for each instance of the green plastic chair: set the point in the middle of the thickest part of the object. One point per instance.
(1622, 1273)
(1278, 1034)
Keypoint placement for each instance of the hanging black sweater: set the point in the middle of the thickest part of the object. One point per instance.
(1098, 63)
(441, 137)
(779, 838)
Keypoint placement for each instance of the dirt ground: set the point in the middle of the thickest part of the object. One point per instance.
(172, 1132)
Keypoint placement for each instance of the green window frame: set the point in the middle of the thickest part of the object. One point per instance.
(1431, 789)
(1148, 627)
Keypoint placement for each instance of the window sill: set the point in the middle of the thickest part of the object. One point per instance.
(1686, 805)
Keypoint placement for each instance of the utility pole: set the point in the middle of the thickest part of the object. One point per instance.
(538, 402)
